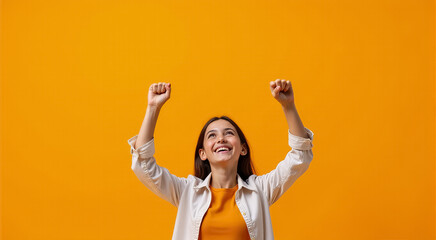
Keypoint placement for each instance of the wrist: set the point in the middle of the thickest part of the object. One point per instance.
(153, 108)
(289, 107)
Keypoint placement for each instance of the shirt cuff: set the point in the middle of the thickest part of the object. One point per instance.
(300, 143)
(147, 150)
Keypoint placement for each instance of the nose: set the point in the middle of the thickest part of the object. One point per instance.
(221, 138)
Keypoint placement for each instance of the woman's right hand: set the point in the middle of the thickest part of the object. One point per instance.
(158, 94)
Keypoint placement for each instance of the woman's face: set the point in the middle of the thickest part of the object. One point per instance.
(221, 144)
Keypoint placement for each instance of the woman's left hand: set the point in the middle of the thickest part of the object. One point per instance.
(282, 91)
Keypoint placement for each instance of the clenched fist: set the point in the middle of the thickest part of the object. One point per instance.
(282, 91)
(158, 94)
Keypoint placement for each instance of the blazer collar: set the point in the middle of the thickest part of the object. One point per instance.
(241, 183)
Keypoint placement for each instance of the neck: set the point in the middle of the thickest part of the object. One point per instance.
(223, 178)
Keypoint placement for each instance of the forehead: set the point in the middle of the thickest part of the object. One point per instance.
(220, 124)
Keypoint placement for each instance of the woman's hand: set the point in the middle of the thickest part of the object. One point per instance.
(282, 91)
(158, 94)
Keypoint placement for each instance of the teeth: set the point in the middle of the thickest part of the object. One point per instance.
(222, 148)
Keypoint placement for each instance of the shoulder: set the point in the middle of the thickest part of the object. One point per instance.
(251, 180)
(193, 180)
(250, 183)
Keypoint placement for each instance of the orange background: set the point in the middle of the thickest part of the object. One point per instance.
(74, 81)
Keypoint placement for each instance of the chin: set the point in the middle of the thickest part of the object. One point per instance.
(223, 160)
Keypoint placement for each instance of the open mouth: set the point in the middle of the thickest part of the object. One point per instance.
(223, 150)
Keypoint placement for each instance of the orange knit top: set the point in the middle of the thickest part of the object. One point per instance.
(223, 220)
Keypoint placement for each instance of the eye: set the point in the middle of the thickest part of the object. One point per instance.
(212, 134)
(230, 132)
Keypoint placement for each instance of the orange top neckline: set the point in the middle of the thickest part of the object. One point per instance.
(224, 189)
(223, 219)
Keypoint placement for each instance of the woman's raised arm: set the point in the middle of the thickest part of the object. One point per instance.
(158, 94)
(158, 179)
(282, 91)
(275, 183)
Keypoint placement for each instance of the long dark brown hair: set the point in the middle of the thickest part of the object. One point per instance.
(245, 166)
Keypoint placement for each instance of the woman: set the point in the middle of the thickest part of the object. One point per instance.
(225, 199)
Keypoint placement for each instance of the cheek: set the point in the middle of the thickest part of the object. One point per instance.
(207, 146)
(236, 142)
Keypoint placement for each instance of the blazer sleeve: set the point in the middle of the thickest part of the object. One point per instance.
(156, 178)
(296, 162)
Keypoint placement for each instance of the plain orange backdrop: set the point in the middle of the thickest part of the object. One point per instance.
(74, 80)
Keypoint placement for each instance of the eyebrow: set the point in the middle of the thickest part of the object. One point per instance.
(215, 130)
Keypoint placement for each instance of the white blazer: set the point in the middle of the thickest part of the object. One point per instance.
(192, 195)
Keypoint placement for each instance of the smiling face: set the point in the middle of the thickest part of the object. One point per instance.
(222, 145)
